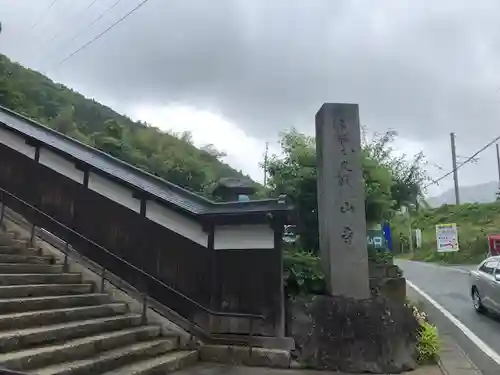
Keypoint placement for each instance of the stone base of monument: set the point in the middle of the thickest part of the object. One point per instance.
(387, 280)
(394, 289)
(337, 333)
(384, 270)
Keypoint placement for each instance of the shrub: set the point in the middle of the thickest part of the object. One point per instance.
(379, 256)
(428, 343)
(302, 272)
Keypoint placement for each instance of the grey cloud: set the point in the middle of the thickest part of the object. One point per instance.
(423, 68)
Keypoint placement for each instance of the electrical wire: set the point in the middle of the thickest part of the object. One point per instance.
(90, 5)
(79, 13)
(143, 2)
(57, 34)
(463, 163)
(93, 22)
(40, 18)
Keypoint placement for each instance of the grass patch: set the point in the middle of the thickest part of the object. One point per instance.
(475, 222)
(428, 342)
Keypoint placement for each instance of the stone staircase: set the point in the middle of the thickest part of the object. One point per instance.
(55, 323)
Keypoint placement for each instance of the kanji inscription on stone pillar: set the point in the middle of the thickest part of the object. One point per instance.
(341, 200)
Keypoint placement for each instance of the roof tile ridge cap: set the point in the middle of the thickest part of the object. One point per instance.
(281, 199)
(169, 185)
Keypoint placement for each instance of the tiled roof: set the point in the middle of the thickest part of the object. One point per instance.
(143, 181)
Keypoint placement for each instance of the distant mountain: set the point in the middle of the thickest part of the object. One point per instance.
(481, 193)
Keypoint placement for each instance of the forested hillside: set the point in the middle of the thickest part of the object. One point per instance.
(170, 156)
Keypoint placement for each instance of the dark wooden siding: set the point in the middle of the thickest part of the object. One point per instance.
(230, 280)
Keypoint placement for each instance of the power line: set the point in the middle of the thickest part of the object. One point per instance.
(265, 164)
(474, 160)
(90, 5)
(463, 163)
(93, 22)
(60, 32)
(80, 12)
(40, 18)
(143, 2)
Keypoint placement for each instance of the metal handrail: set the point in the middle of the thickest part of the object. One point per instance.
(144, 273)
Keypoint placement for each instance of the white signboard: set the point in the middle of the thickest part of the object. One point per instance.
(447, 237)
(418, 238)
(377, 241)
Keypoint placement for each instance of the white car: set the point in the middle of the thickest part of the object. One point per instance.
(485, 285)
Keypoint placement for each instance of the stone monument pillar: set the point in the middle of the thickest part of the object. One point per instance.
(341, 200)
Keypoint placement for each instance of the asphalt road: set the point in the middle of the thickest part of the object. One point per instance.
(478, 335)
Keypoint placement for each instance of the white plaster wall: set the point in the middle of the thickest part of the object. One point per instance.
(244, 237)
(177, 223)
(61, 165)
(226, 237)
(16, 143)
(114, 191)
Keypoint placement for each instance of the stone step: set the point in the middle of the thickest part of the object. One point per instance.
(12, 305)
(8, 239)
(52, 324)
(18, 249)
(58, 333)
(55, 316)
(40, 278)
(35, 290)
(30, 268)
(163, 364)
(22, 258)
(112, 359)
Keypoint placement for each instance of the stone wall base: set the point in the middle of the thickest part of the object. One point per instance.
(246, 356)
(394, 289)
(372, 335)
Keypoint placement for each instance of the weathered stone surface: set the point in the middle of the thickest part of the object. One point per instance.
(394, 289)
(240, 355)
(159, 365)
(220, 369)
(341, 197)
(386, 280)
(384, 270)
(52, 322)
(337, 333)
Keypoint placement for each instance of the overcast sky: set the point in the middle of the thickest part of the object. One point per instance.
(236, 72)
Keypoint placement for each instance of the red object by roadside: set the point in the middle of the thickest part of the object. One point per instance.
(494, 244)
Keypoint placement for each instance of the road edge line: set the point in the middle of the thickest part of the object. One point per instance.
(485, 348)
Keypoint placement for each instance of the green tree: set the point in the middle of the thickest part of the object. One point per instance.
(112, 140)
(294, 174)
(211, 150)
(64, 123)
(408, 176)
(171, 156)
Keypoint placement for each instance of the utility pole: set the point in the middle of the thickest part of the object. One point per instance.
(498, 162)
(455, 172)
(265, 164)
(410, 234)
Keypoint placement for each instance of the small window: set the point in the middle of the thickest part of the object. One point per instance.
(497, 271)
(489, 267)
